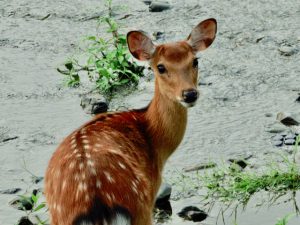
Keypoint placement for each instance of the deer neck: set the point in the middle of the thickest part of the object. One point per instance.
(166, 120)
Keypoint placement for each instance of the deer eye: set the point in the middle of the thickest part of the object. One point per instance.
(161, 68)
(195, 63)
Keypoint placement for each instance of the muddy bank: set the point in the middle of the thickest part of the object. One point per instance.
(251, 74)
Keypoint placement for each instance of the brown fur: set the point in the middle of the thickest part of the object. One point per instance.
(113, 164)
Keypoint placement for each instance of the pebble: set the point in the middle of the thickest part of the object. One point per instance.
(159, 6)
(278, 143)
(277, 137)
(290, 136)
(298, 99)
(288, 119)
(288, 50)
(94, 104)
(192, 213)
(289, 142)
(24, 221)
(10, 191)
(239, 162)
(162, 200)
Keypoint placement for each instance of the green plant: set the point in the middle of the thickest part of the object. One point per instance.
(108, 61)
(285, 219)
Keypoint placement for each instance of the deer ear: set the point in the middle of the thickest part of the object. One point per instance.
(203, 35)
(140, 45)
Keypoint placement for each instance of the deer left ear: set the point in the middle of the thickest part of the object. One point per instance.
(203, 35)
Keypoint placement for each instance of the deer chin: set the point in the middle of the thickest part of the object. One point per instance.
(188, 105)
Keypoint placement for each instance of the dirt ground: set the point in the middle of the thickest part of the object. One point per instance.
(253, 67)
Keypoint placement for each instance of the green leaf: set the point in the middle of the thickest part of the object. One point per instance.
(69, 65)
(40, 206)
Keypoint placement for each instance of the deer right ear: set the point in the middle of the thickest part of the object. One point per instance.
(140, 45)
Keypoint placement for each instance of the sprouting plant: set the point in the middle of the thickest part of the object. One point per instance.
(285, 219)
(108, 62)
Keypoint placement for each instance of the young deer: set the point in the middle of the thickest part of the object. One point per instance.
(108, 171)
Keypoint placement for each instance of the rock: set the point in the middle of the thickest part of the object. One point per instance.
(159, 6)
(158, 35)
(278, 143)
(298, 99)
(290, 136)
(199, 167)
(94, 104)
(10, 191)
(287, 119)
(288, 50)
(162, 200)
(268, 114)
(36, 179)
(147, 2)
(277, 137)
(164, 192)
(192, 213)
(289, 142)
(239, 162)
(24, 221)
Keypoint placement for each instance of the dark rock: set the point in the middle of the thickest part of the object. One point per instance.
(277, 137)
(94, 104)
(199, 167)
(10, 191)
(164, 192)
(278, 143)
(192, 213)
(36, 179)
(162, 200)
(287, 120)
(298, 99)
(24, 221)
(289, 141)
(158, 35)
(239, 162)
(159, 6)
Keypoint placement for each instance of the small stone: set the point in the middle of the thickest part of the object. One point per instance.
(298, 99)
(10, 191)
(277, 137)
(278, 143)
(159, 6)
(287, 119)
(288, 50)
(239, 162)
(36, 179)
(192, 213)
(162, 200)
(94, 104)
(199, 167)
(158, 35)
(147, 2)
(290, 136)
(24, 221)
(289, 142)
(164, 192)
(268, 114)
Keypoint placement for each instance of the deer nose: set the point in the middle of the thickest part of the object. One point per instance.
(190, 95)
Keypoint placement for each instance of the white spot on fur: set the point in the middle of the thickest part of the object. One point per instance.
(72, 165)
(98, 184)
(108, 197)
(135, 190)
(122, 165)
(58, 208)
(87, 198)
(109, 177)
(93, 171)
(88, 155)
(74, 146)
(63, 186)
(85, 141)
(76, 177)
(80, 186)
(90, 163)
(78, 155)
(81, 165)
(87, 147)
(83, 176)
